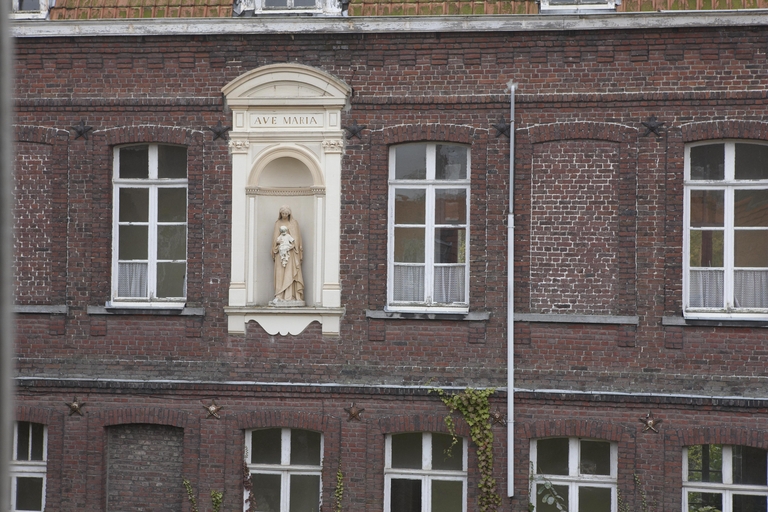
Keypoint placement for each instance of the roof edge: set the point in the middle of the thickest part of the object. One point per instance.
(388, 24)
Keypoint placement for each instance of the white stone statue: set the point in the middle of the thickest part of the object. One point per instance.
(287, 253)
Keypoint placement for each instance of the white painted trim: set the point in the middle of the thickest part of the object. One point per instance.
(389, 24)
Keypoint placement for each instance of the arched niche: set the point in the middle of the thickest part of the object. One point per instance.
(286, 146)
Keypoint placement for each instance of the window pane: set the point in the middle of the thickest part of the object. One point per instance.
(132, 280)
(303, 3)
(134, 162)
(305, 493)
(450, 285)
(405, 495)
(707, 162)
(171, 242)
(406, 451)
(447, 496)
(38, 440)
(171, 205)
(751, 248)
(410, 206)
(552, 456)
(409, 245)
(747, 503)
(134, 205)
(171, 280)
(706, 248)
(749, 466)
(707, 208)
(700, 500)
(450, 206)
(305, 448)
(29, 493)
(548, 496)
(275, 3)
(750, 289)
(450, 162)
(594, 499)
(751, 162)
(171, 162)
(29, 5)
(133, 243)
(595, 458)
(705, 463)
(751, 208)
(450, 245)
(445, 456)
(411, 162)
(22, 443)
(265, 493)
(408, 283)
(266, 446)
(706, 288)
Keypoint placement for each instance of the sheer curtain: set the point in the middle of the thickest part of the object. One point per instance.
(751, 288)
(409, 283)
(132, 280)
(706, 289)
(449, 284)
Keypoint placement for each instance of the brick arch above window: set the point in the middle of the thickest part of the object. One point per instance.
(720, 435)
(151, 415)
(580, 130)
(429, 132)
(151, 134)
(728, 129)
(39, 134)
(420, 423)
(37, 414)
(283, 419)
(578, 428)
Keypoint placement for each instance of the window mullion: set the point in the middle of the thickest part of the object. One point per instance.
(429, 245)
(152, 244)
(573, 457)
(727, 466)
(285, 447)
(728, 249)
(285, 491)
(426, 451)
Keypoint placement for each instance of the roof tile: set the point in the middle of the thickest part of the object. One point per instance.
(122, 9)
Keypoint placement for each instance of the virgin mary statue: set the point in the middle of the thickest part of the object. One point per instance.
(287, 253)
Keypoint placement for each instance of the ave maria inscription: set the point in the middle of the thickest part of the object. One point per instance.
(271, 120)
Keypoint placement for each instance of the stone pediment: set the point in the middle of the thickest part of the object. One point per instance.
(287, 85)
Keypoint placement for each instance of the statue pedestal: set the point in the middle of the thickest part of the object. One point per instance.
(280, 303)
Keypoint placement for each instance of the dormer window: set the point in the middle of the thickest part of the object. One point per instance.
(31, 9)
(578, 6)
(246, 8)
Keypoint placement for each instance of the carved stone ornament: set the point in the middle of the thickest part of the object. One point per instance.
(333, 146)
(213, 410)
(75, 407)
(238, 146)
(498, 417)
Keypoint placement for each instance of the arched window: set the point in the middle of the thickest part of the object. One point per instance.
(29, 466)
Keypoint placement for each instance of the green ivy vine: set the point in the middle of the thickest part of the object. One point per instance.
(338, 493)
(217, 497)
(474, 406)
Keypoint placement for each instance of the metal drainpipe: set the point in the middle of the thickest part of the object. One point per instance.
(511, 301)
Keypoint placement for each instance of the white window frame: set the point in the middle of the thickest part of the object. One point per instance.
(153, 184)
(257, 7)
(426, 474)
(726, 488)
(38, 14)
(430, 184)
(729, 184)
(578, 6)
(284, 469)
(574, 479)
(28, 468)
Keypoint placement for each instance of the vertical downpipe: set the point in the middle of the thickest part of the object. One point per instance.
(511, 301)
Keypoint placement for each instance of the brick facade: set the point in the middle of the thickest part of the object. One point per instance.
(598, 236)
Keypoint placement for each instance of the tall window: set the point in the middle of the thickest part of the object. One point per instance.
(724, 478)
(428, 226)
(28, 467)
(285, 466)
(425, 472)
(726, 219)
(577, 474)
(150, 224)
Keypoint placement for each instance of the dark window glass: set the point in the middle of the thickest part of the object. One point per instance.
(38, 442)
(751, 162)
(266, 446)
(265, 493)
(29, 5)
(548, 497)
(29, 493)
(22, 440)
(171, 162)
(406, 451)
(305, 448)
(747, 503)
(405, 495)
(445, 454)
(705, 463)
(411, 162)
(134, 205)
(305, 493)
(701, 500)
(450, 162)
(707, 162)
(595, 458)
(749, 466)
(594, 499)
(552, 456)
(447, 496)
(134, 162)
